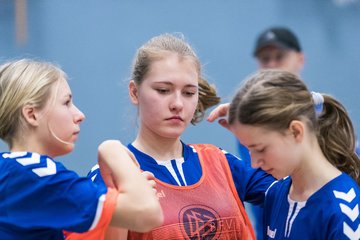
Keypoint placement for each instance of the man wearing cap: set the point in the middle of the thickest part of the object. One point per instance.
(279, 48)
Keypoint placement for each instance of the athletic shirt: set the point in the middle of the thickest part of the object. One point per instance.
(39, 198)
(209, 209)
(330, 213)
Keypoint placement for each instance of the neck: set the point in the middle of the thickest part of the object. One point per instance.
(28, 145)
(314, 172)
(158, 147)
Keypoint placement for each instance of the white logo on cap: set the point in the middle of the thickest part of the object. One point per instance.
(270, 35)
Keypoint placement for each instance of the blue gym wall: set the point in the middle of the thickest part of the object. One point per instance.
(95, 40)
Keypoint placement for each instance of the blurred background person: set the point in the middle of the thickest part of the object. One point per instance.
(279, 48)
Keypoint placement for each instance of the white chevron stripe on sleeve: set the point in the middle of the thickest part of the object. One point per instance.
(353, 235)
(14, 154)
(93, 177)
(96, 166)
(50, 169)
(349, 196)
(35, 158)
(351, 213)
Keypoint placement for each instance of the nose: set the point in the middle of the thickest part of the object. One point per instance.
(272, 63)
(176, 102)
(256, 162)
(78, 115)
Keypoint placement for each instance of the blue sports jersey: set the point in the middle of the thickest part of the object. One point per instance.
(330, 213)
(39, 198)
(250, 183)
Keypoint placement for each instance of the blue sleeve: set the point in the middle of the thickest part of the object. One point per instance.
(244, 153)
(42, 193)
(96, 177)
(251, 184)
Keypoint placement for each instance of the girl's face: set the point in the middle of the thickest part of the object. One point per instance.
(276, 153)
(167, 97)
(59, 123)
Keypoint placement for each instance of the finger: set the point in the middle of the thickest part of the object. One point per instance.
(148, 175)
(220, 111)
(224, 123)
(152, 183)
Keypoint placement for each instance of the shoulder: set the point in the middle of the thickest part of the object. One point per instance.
(201, 146)
(32, 165)
(213, 148)
(341, 199)
(278, 188)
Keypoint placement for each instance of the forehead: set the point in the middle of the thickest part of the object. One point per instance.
(60, 88)
(172, 67)
(250, 134)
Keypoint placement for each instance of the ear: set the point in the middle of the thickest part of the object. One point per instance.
(133, 92)
(297, 129)
(30, 115)
(301, 61)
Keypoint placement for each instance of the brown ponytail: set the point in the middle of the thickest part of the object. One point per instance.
(337, 139)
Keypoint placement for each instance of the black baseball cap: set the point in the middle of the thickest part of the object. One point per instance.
(280, 37)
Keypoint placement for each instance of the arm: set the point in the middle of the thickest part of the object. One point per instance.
(251, 184)
(137, 206)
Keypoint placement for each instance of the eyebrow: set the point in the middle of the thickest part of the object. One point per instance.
(69, 95)
(170, 83)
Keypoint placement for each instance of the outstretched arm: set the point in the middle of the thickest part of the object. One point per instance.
(220, 112)
(137, 206)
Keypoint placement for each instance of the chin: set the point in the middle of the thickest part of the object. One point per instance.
(279, 176)
(65, 150)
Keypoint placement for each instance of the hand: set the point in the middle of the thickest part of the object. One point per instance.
(220, 112)
(149, 176)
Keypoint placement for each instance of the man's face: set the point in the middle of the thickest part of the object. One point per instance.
(272, 57)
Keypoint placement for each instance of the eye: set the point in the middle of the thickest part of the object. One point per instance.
(260, 150)
(264, 59)
(162, 90)
(189, 93)
(280, 56)
(68, 102)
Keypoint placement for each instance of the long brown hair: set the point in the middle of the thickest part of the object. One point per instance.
(273, 98)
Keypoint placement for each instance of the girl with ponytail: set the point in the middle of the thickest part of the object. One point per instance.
(306, 140)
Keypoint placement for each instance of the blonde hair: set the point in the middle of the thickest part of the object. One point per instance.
(23, 82)
(158, 48)
(274, 98)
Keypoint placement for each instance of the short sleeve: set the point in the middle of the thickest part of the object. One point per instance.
(251, 184)
(41, 193)
(98, 232)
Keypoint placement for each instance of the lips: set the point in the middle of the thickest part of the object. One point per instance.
(175, 118)
(268, 170)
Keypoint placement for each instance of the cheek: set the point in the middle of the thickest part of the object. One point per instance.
(192, 105)
(275, 156)
(61, 121)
